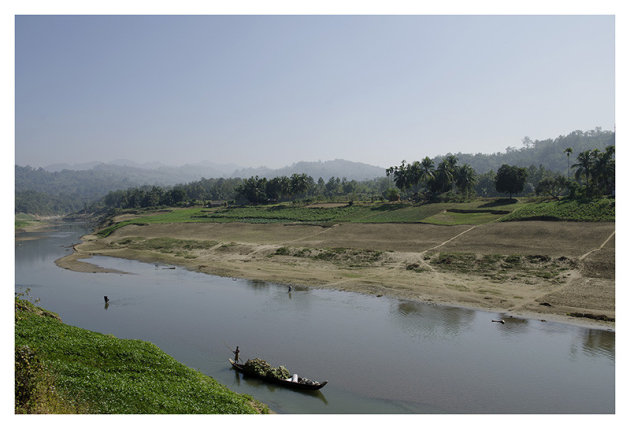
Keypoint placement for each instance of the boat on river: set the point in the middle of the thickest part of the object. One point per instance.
(300, 384)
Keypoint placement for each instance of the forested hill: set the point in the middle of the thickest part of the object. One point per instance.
(40, 191)
(325, 170)
(548, 153)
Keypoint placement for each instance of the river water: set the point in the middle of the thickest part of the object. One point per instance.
(379, 355)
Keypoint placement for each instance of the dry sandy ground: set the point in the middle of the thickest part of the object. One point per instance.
(585, 285)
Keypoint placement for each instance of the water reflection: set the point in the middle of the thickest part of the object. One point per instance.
(256, 284)
(513, 325)
(273, 388)
(431, 320)
(597, 342)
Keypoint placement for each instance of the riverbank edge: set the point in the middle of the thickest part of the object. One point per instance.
(38, 361)
(74, 262)
(40, 224)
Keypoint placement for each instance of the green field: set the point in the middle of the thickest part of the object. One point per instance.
(595, 211)
(88, 372)
(22, 220)
(471, 213)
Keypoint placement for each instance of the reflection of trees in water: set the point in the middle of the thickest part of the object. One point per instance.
(432, 320)
(598, 342)
(258, 284)
(261, 285)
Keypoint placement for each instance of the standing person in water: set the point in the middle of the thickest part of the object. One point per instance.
(236, 352)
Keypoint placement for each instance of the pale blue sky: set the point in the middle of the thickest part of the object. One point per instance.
(273, 90)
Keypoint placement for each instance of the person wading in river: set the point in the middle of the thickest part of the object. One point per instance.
(236, 352)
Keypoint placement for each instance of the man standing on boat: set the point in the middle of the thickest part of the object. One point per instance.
(236, 352)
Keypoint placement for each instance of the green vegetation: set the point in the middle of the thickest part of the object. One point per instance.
(165, 244)
(566, 210)
(469, 213)
(424, 181)
(61, 368)
(23, 220)
(264, 369)
(288, 213)
(510, 179)
(502, 267)
(346, 256)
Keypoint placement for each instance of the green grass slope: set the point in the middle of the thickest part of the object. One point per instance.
(566, 210)
(99, 373)
(474, 212)
(22, 220)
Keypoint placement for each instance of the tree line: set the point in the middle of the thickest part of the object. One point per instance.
(424, 177)
(253, 190)
(594, 177)
(420, 181)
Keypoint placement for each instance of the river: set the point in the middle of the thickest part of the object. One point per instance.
(380, 355)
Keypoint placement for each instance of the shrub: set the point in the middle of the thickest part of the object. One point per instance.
(28, 373)
(392, 194)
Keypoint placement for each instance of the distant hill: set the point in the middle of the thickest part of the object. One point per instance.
(549, 153)
(154, 173)
(327, 169)
(158, 174)
(44, 191)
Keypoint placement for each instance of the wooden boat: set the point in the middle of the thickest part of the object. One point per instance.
(302, 384)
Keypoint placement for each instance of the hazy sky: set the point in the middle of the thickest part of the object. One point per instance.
(273, 90)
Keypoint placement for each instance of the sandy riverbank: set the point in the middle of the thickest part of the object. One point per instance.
(554, 274)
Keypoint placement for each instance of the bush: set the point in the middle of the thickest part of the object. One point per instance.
(283, 251)
(28, 373)
(35, 391)
(392, 194)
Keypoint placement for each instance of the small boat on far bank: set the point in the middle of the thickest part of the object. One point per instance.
(300, 384)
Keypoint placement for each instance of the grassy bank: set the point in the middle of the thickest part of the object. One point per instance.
(565, 210)
(64, 369)
(23, 220)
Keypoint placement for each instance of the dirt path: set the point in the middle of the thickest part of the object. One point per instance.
(324, 231)
(450, 239)
(597, 249)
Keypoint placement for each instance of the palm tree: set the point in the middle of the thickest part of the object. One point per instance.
(585, 164)
(445, 173)
(568, 151)
(298, 184)
(465, 179)
(427, 171)
(451, 160)
(401, 175)
(603, 169)
(414, 173)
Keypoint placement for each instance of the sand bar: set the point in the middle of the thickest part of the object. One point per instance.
(376, 259)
